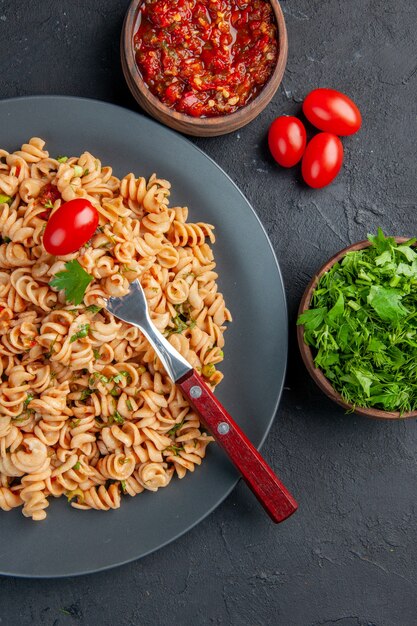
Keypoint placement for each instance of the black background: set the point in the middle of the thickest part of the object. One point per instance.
(348, 557)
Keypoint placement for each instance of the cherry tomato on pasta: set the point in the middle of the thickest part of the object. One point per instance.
(322, 160)
(332, 111)
(287, 140)
(70, 227)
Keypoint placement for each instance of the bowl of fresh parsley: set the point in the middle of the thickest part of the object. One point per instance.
(357, 327)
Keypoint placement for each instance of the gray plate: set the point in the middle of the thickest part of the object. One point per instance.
(256, 342)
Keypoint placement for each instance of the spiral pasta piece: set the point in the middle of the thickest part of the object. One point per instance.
(9, 500)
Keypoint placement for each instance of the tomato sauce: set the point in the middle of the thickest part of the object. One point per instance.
(206, 58)
(48, 194)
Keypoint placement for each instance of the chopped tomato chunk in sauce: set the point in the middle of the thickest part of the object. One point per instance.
(206, 58)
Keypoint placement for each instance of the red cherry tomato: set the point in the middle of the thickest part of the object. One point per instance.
(332, 111)
(322, 160)
(287, 140)
(71, 226)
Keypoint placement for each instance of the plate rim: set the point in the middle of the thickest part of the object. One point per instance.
(185, 140)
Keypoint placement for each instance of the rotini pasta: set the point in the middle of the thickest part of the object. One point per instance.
(86, 408)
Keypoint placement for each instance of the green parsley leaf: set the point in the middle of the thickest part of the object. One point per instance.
(48, 204)
(51, 347)
(180, 324)
(74, 280)
(29, 399)
(77, 466)
(5, 199)
(83, 332)
(386, 303)
(174, 429)
(123, 485)
(98, 376)
(62, 159)
(117, 418)
(175, 449)
(129, 404)
(208, 370)
(364, 380)
(96, 353)
(86, 393)
(77, 493)
(119, 377)
(312, 318)
(93, 308)
(337, 310)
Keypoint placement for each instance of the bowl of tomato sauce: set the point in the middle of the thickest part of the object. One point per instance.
(204, 67)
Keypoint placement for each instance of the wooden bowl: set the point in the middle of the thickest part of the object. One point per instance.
(307, 354)
(200, 127)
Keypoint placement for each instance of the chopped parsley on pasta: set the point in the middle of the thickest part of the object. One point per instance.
(86, 409)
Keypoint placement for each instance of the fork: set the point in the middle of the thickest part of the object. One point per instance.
(271, 493)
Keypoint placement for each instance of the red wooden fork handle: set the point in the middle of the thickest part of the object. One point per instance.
(271, 493)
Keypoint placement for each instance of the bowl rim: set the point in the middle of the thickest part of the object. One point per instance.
(307, 354)
(236, 119)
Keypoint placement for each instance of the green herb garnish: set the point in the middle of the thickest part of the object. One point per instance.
(5, 199)
(129, 404)
(119, 377)
(181, 323)
(116, 417)
(77, 493)
(175, 449)
(123, 485)
(51, 347)
(83, 332)
(86, 393)
(208, 370)
(362, 325)
(96, 353)
(98, 376)
(62, 159)
(93, 308)
(174, 429)
(29, 398)
(74, 280)
(77, 466)
(48, 204)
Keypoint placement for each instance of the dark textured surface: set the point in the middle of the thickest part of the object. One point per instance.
(348, 557)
